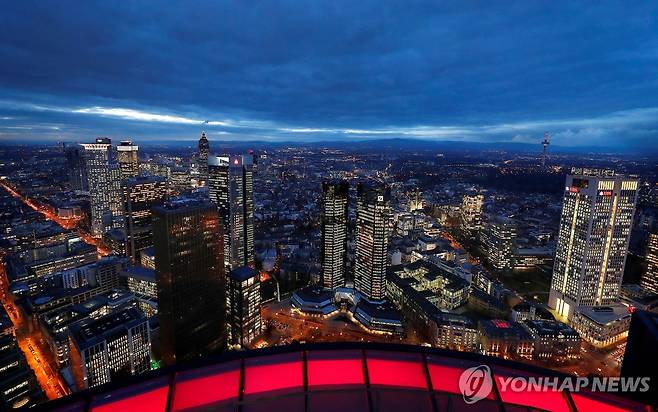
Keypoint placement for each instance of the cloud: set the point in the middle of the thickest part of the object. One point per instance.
(332, 70)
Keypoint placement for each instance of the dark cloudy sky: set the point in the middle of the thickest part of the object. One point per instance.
(311, 70)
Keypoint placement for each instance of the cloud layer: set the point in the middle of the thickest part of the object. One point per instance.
(331, 70)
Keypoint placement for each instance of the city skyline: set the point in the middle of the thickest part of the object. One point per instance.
(328, 206)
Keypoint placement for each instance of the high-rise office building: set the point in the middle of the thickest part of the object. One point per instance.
(372, 231)
(243, 315)
(241, 209)
(649, 279)
(114, 219)
(140, 194)
(218, 191)
(75, 167)
(471, 211)
(128, 158)
(109, 348)
(597, 215)
(104, 186)
(333, 247)
(189, 266)
(498, 238)
(204, 149)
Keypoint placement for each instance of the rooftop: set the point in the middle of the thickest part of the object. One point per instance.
(243, 273)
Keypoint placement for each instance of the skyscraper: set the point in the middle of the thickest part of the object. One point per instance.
(498, 238)
(111, 347)
(649, 279)
(102, 185)
(204, 149)
(471, 211)
(241, 199)
(333, 249)
(189, 266)
(218, 191)
(372, 220)
(596, 220)
(243, 305)
(114, 218)
(75, 167)
(128, 158)
(140, 194)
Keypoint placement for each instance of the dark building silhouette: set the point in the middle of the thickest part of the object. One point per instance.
(640, 354)
(75, 167)
(189, 266)
(372, 215)
(204, 149)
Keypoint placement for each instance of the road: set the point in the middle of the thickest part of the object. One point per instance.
(38, 355)
(289, 325)
(65, 223)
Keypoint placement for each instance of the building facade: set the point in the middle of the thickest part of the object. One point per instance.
(204, 149)
(372, 231)
(105, 203)
(241, 199)
(333, 246)
(243, 301)
(109, 348)
(649, 281)
(189, 265)
(498, 239)
(218, 191)
(595, 225)
(471, 211)
(128, 159)
(140, 194)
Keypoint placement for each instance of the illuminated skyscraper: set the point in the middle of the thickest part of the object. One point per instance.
(498, 238)
(241, 199)
(471, 211)
(140, 194)
(104, 187)
(128, 158)
(189, 265)
(649, 280)
(333, 249)
(243, 305)
(597, 215)
(204, 149)
(114, 218)
(372, 231)
(218, 191)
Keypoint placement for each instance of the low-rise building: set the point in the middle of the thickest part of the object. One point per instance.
(456, 332)
(554, 341)
(505, 339)
(602, 326)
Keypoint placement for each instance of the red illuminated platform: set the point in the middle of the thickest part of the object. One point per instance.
(335, 377)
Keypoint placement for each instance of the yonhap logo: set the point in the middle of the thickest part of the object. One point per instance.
(475, 383)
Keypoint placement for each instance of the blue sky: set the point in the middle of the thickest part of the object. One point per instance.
(336, 70)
